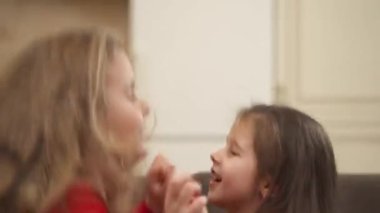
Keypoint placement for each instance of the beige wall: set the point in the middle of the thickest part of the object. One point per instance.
(197, 62)
(22, 21)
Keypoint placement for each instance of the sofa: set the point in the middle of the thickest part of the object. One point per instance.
(356, 193)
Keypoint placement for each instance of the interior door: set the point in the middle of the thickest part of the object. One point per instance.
(328, 64)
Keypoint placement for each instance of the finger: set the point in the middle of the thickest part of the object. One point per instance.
(156, 188)
(198, 205)
(169, 172)
(159, 181)
(159, 168)
(169, 168)
(156, 164)
(159, 186)
(189, 191)
(176, 183)
(161, 159)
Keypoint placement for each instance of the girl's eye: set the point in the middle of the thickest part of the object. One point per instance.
(232, 152)
(131, 95)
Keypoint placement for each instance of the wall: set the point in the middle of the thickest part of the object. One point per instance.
(22, 21)
(198, 62)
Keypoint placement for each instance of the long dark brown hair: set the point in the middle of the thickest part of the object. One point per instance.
(295, 151)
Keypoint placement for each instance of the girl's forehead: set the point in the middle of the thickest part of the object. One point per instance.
(242, 130)
(244, 122)
(120, 68)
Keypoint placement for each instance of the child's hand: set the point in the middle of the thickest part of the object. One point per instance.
(158, 177)
(184, 195)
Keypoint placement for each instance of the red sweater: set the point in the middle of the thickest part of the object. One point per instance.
(82, 198)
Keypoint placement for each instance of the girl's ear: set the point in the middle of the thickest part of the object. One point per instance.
(264, 187)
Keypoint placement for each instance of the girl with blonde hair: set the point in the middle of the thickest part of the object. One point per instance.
(71, 130)
(71, 126)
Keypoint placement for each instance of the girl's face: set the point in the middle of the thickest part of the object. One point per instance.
(234, 170)
(125, 112)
